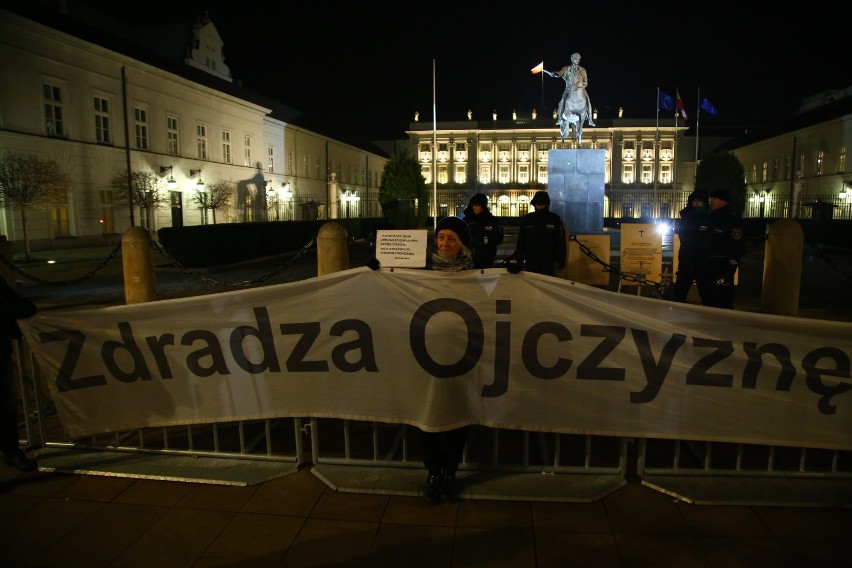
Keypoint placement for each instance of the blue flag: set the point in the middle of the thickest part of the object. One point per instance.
(665, 101)
(708, 107)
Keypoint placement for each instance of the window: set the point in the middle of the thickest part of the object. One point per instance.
(102, 121)
(425, 153)
(443, 173)
(627, 173)
(426, 172)
(542, 173)
(461, 173)
(201, 141)
(764, 172)
(841, 160)
(290, 164)
(504, 152)
(523, 173)
(775, 165)
(247, 150)
(647, 173)
(503, 173)
(665, 173)
(754, 173)
(54, 123)
(819, 161)
(140, 124)
(107, 218)
(485, 153)
(172, 135)
(270, 159)
(461, 151)
(59, 220)
(226, 147)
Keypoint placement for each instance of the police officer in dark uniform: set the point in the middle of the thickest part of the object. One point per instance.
(541, 244)
(689, 253)
(721, 248)
(485, 231)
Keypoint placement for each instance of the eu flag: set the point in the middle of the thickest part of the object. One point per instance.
(707, 106)
(664, 101)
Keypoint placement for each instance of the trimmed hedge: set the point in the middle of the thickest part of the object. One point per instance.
(203, 246)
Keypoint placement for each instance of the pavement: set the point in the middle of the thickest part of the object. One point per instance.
(293, 517)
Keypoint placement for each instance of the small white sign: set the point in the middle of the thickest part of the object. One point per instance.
(400, 248)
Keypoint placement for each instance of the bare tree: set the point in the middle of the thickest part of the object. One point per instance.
(29, 181)
(144, 191)
(215, 196)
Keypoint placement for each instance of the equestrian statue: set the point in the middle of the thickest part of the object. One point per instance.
(575, 108)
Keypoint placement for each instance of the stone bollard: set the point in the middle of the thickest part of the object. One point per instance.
(782, 268)
(138, 262)
(332, 248)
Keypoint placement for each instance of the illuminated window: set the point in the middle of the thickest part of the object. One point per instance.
(461, 173)
(503, 173)
(627, 173)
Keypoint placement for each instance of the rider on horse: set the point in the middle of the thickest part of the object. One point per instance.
(575, 78)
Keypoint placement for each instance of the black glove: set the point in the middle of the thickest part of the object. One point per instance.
(374, 263)
(514, 267)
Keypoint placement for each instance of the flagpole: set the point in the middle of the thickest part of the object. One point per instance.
(434, 153)
(542, 87)
(656, 148)
(677, 158)
(697, 121)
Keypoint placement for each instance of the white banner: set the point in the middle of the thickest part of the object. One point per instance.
(440, 350)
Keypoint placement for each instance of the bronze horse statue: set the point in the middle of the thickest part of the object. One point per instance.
(573, 109)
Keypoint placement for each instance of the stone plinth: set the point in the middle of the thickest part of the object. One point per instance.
(575, 183)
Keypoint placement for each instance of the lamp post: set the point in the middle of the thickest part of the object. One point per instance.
(170, 183)
(273, 200)
(287, 195)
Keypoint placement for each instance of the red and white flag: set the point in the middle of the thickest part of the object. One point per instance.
(538, 68)
(680, 108)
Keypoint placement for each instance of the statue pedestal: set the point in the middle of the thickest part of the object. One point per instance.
(575, 183)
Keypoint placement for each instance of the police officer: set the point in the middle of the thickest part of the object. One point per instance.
(541, 244)
(689, 253)
(486, 233)
(721, 248)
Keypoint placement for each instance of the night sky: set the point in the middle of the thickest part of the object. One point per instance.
(369, 67)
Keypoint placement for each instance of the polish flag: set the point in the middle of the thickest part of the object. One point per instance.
(538, 68)
(680, 108)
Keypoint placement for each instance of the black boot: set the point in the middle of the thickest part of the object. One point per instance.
(432, 489)
(448, 487)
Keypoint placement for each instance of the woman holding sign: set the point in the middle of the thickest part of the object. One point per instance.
(442, 451)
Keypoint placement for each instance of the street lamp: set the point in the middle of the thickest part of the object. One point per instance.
(272, 200)
(170, 183)
(350, 199)
(287, 195)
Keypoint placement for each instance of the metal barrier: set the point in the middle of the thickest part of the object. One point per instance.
(743, 474)
(373, 457)
(347, 442)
